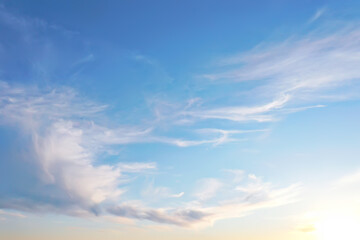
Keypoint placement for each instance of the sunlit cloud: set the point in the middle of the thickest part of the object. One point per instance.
(195, 215)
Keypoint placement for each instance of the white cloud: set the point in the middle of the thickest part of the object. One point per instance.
(29, 27)
(242, 114)
(255, 187)
(136, 167)
(63, 147)
(69, 165)
(177, 195)
(350, 179)
(195, 215)
(207, 188)
(221, 136)
(226, 135)
(155, 193)
(296, 71)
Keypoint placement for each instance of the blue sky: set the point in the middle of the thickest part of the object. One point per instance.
(187, 120)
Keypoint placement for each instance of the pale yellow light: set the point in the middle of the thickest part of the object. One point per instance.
(337, 227)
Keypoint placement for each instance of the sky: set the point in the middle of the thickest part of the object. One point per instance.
(196, 120)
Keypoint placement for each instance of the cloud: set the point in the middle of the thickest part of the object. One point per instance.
(184, 143)
(4, 215)
(312, 62)
(241, 114)
(84, 60)
(155, 193)
(145, 59)
(255, 189)
(221, 136)
(183, 218)
(320, 12)
(226, 135)
(196, 215)
(64, 176)
(67, 163)
(307, 228)
(273, 80)
(207, 188)
(350, 179)
(30, 107)
(296, 71)
(178, 195)
(12, 214)
(61, 148)
(29, 27)
(136, 167)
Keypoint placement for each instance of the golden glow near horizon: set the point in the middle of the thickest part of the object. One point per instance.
(338, 226)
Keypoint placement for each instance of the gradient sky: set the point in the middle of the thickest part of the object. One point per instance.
(196, 120)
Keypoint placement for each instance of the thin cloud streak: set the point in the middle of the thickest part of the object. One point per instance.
(242, 114)
(296, 71)
(312, 62)
(320, 12)
(350, 179)
(196, 215)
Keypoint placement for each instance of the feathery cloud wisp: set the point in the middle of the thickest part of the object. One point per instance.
(296, 71)
(194, 215)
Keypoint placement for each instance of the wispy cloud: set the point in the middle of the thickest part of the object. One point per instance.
(136, 167)
(195, 215)
(317, 14)
(350, 179)
(228, 135)
(84, 60)
(29, 27)
(207, 188)
(12, 214)
(299, 70)
(241, 114)
(155, 193)
(212, 136)
(314, 62)
(177, 195)
(183, 218)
